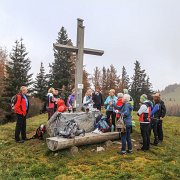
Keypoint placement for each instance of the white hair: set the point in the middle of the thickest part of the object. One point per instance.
(120, 95)
(126, 97)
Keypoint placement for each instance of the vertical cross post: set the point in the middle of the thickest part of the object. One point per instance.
(79, 63)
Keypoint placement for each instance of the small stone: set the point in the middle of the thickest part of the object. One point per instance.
(108, 143)
(56, 154)
(74, 150)
(117, 142)
(99, 149)
(133, 140)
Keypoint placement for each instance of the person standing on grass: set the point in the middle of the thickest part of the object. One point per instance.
(97, 99)
(125, 110)
(144, 118)
(87, 101)
(21, 108)
(50, 102)
(119, 103)
(71, 102)
(155, 117)
(125, 91)
(162, 113)
(56, 97)
(110, 102)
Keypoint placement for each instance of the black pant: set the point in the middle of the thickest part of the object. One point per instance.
(145, 135)
(20, 127)
(154, 123)
(112, 115)
(160, 130)
(97, 106)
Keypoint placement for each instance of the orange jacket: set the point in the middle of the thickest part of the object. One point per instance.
(61, 106)
(20, 105)
(119, 103)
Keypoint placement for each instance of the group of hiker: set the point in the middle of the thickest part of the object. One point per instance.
(118, 108)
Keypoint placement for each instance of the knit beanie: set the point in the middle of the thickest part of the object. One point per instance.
(125, 91)
(143, 98)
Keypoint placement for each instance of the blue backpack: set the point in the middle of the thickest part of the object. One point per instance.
(102, 124)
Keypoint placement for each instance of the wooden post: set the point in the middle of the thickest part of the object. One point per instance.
(79, 63)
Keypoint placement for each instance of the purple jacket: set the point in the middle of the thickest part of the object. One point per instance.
(70, 100)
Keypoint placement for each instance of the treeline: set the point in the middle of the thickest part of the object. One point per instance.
(138, 84)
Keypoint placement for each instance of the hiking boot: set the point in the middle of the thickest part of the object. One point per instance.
(121, 152)
(130, 151)
(26, 139)
(141, 149)
(20, 141)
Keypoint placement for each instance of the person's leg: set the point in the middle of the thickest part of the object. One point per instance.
(108, 114)
(128, 138)
(144, 135)
(18, 127)
(148, 136)
(113, 119)
(160, 130)
(98, 107)
(155, 132)
(50, 112)
(23, 131)
(123, 139)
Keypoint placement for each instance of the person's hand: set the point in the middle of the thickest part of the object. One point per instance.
(110, 102)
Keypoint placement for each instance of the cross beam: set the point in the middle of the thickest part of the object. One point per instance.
(75, 49)
(80, 51)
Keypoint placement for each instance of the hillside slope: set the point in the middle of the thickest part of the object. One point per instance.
(171, 94)
(33, 160)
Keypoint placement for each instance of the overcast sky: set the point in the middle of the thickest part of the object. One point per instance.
(127, 30)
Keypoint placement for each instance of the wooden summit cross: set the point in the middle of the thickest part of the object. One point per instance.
(80, 51)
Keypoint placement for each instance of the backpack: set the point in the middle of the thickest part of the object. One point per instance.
(120, 125)
(40, 131)
(70, 131)
(162, 109)
(103, 125)
(14, 100)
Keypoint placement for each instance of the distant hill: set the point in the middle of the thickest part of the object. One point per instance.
(171, 96)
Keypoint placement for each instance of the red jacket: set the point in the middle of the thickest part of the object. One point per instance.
(20, 105)
(61, 106)
(119, 103)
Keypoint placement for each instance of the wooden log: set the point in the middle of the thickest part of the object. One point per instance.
(58, 143)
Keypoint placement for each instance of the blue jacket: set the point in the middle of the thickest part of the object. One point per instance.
(155, 111)
(126, 110)
(110, 99)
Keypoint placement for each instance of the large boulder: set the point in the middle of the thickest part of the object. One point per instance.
(84, 120)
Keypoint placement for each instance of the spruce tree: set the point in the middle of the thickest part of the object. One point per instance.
(113, 78)
(97, 77)
(41, 85)
(60, 69)
(140, 84)
(124, 79)
(17, 69)
(104, 80)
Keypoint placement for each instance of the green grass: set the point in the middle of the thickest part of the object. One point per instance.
(33, 160)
